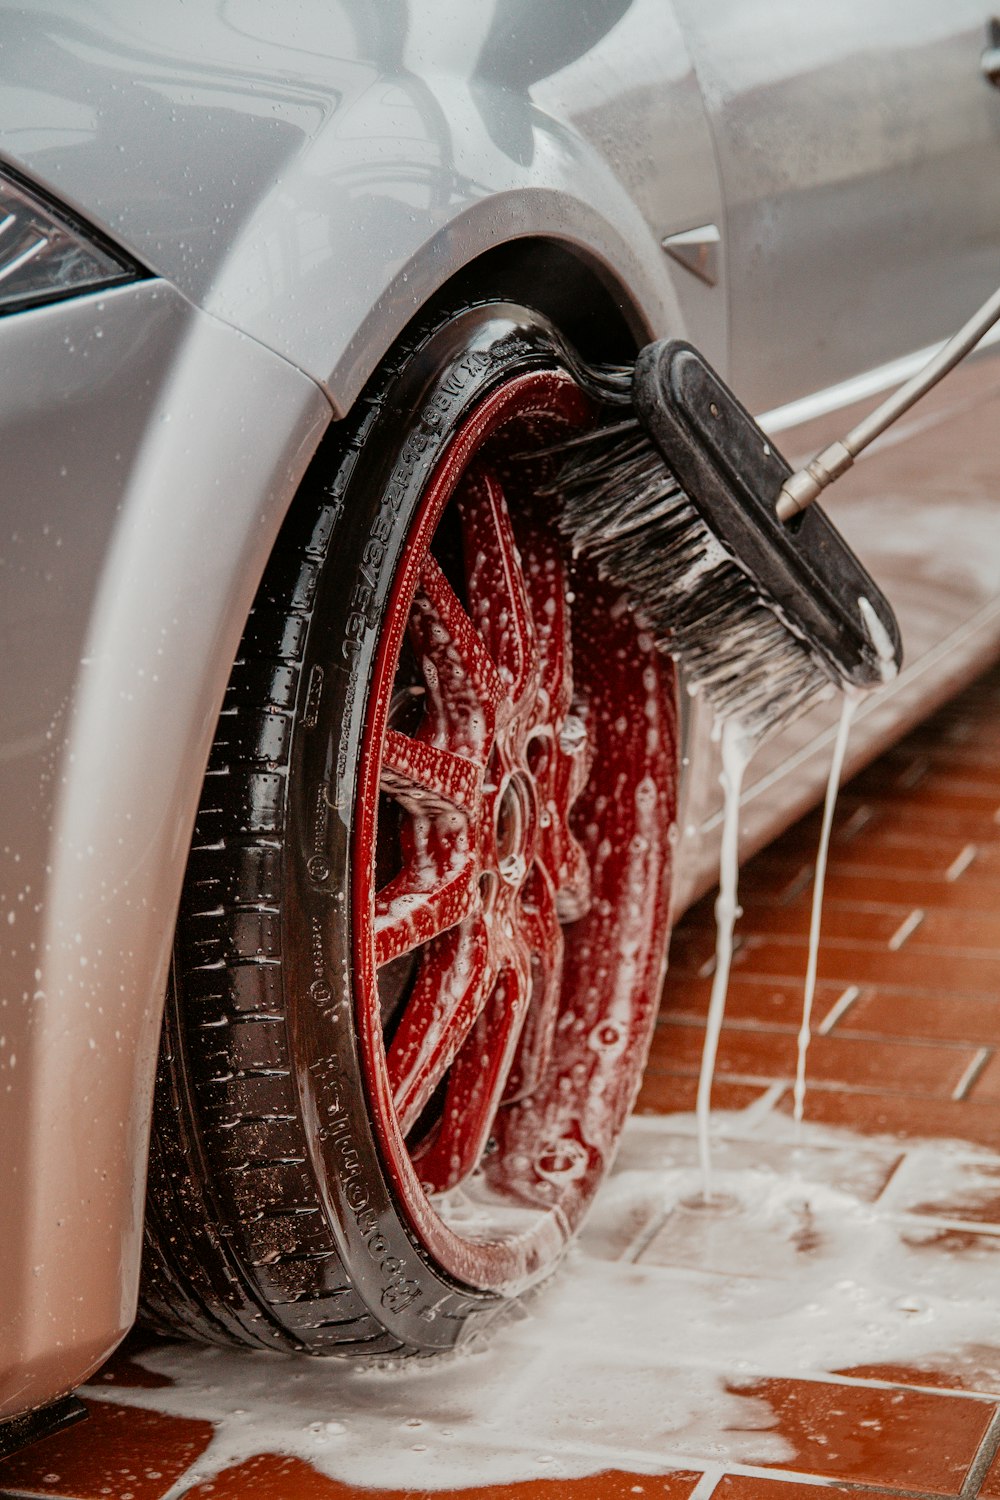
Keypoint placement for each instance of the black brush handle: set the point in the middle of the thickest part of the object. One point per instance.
(733, 474)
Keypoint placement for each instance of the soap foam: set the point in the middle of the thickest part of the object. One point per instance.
(647, 1350)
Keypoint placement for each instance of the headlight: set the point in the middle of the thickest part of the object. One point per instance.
(44, 254)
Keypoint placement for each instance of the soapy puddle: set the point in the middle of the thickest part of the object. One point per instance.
(651, 1348)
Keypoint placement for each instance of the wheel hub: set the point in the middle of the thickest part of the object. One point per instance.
(515, 824)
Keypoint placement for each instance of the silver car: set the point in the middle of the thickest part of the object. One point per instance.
(309, 724)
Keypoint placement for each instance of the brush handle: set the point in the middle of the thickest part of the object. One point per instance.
(803, 487)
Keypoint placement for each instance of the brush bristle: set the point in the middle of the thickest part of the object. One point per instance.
(622, 508)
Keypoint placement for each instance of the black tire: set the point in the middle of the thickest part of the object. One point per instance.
(272, 1219)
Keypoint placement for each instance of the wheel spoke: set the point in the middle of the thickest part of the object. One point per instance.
(426, 899)
(495, 583)
(542, 935)
(425, 779)
(464, 687)
(455, 979)
(476, 1084)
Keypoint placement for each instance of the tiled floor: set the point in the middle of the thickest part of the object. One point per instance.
(906, 1050)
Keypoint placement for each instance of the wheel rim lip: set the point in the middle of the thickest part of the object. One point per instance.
(484, 1263)
(514, 1261)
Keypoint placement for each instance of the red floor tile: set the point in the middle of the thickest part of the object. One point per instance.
(960, 929)
(903, 1439)
(905, 1117)
(959, 817)
(752, 1000)
(670, 1093)
(936, 798)
(869, 848)
(750, 1487)
(986, 1089)
(840, 924)
(902, 889)
(890, 1066)
(959, 1018)
(857, 963)
(842, 961)
(270, 1477)
(124, 1452)
(979, 1372)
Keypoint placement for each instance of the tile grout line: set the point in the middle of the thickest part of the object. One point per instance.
(906, 929)
(32, 1495)
(641, 1241)
(710, 1478)
(971, 1074)
(985, 1455)
(913, 774)
(764, 1106)
(839, 1008)
(942, 1221)
(799, 882)
(822, 1481)
(860, 818)
(961, 862)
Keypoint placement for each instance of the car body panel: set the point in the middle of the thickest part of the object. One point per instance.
(858, 158)
(314, 175)
(137, 520)
(857, 145)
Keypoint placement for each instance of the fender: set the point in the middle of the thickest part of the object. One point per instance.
(314, 177)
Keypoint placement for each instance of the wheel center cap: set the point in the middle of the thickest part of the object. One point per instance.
(516, 822)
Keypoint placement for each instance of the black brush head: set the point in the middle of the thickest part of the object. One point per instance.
(732, 474)
(622, 508)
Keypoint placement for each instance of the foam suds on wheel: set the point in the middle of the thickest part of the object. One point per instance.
(648, 1350)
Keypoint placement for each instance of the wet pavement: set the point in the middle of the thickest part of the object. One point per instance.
(862, 1311)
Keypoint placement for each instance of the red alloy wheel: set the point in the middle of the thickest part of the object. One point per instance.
(424, 924)
(511, 856)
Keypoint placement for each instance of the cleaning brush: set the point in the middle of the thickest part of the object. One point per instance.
(686, 505)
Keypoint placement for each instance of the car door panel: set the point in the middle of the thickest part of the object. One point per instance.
(858, 146)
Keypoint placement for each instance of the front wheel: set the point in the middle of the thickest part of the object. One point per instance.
(424, 923)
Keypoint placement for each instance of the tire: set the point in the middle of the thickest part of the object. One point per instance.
(423, 927)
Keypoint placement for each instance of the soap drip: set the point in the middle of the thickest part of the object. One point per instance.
(737, 749)
(848, 707)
